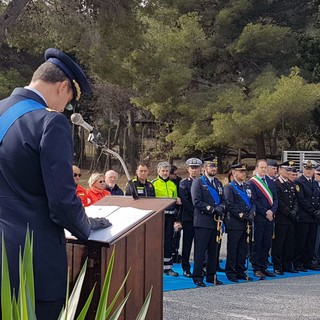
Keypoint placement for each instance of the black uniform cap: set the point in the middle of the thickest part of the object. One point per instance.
(75, 74)
(239, 167)
(287, 165)
(272, 163)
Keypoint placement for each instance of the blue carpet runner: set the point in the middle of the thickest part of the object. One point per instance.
(181, 282)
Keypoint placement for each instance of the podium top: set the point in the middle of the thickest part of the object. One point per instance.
(124, 213)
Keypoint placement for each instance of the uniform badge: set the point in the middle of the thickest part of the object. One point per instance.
(297, 188)
(241, 215)
(208, 208)
(248, 191)
(220, 190)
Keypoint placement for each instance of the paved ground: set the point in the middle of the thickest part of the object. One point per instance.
(292, 299)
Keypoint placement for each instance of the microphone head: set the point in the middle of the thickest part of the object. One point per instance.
(76, 118)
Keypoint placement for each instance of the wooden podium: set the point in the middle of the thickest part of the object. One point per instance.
(139, 247)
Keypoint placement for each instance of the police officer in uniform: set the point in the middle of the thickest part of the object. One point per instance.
(208, 200)
(239, 217)
(194, 166)
(307, 192)
(283, 243)
(143, 186)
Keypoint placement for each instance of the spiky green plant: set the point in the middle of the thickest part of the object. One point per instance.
(24, 306)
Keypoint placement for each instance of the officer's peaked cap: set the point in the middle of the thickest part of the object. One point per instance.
(75, 74)
(194, 162)
(239, 167)
(309, 164)
(272, 163)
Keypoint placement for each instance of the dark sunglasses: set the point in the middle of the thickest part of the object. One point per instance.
(77, 175)
(194, 167)
(318, 174)
(101, 181)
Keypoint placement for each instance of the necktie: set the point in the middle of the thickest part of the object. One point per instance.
(213, 184)
(264, 180)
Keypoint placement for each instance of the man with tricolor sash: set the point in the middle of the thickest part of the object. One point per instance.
(208, 200)
(264, 192)
(240, 214)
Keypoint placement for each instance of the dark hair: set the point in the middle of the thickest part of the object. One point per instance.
(49, 72)
(142, 165)
(173, 169)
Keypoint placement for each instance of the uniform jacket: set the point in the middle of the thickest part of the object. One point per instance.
(81, 192)
(116, 191)
(236, 205)
(204, 203)
(96, 195)
(185, 196)
(287, 201)
(37, 189)
(143, 189)
(261, 202)
(308, 199)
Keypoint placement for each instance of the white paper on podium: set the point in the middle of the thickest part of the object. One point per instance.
(100, 211)
(122, 219)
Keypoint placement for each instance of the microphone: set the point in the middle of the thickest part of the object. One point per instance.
(94, 136)
(76, 118)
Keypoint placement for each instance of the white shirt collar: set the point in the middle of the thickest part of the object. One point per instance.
(36, 92)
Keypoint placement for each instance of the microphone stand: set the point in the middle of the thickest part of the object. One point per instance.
(95, 138)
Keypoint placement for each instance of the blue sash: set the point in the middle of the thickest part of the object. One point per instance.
(212, 191)
(242, 194)
(8, 118)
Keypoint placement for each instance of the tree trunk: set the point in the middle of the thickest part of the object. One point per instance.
(260, 148)
(9, 17)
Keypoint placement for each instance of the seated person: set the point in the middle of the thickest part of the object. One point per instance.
(97, 187)
(81, 192)
(110, 179)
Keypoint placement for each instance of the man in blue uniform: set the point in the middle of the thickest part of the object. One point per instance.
(307, 192)
(37, 188)
(194, 165)
(208, 200)
(239, 218)
(264, 192)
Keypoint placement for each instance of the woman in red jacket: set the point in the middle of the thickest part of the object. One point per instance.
(97, 188)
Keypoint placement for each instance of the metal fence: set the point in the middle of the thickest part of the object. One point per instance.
(299, 156)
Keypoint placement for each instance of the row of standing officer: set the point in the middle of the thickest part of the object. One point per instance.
(256, 200)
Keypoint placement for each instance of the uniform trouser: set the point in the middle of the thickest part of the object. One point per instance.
(48, 310)
(317, 247)
(168, 236)
(187, 238)
(283, 246)
(305, 234)
(262, 243)
(204, 242)
(237, 249)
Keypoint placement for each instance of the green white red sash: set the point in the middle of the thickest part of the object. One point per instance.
(263, 188)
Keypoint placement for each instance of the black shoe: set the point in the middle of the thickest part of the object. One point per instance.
(279, 272)
(199, 283)
(244, 277)
(233, 279)
(221, 269)
(313, 267)
(259, 274)
(291, 270)
(269, 274)
(171, 273)
(187, 274)
(302, 269)
(218, 283)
